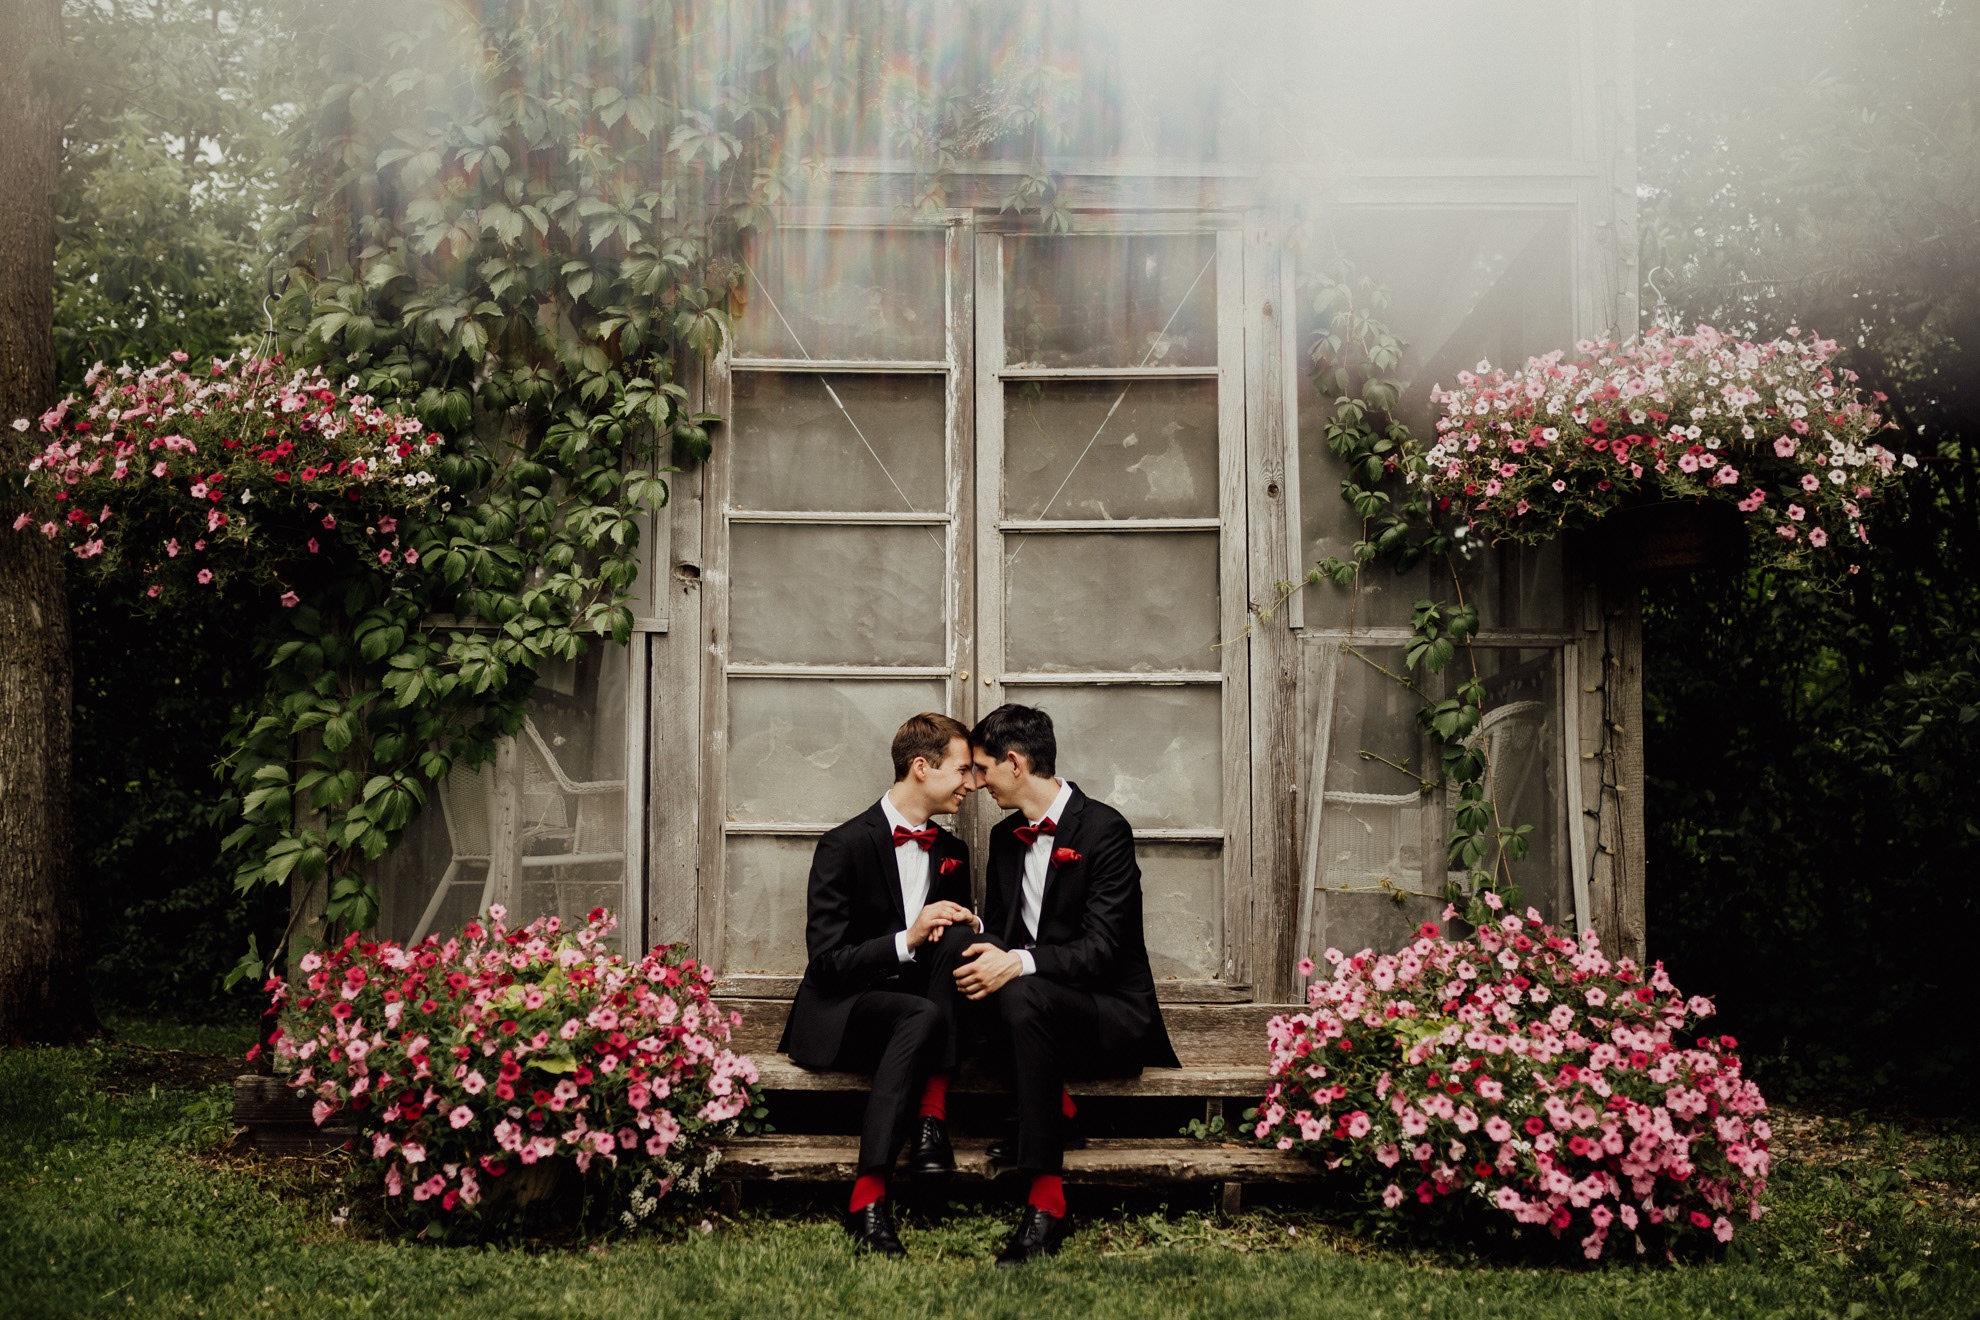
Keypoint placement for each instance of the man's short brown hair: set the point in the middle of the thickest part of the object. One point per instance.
(928, 736)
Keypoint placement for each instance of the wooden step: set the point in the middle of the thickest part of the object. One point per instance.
(1202, 1034)
(1204, 1081)
(1103, 1162)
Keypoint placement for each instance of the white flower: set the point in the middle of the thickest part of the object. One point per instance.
(1909, 461)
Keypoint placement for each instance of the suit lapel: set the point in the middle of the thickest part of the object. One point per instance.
(1005, 877)
(886, 867)
(1067, 836)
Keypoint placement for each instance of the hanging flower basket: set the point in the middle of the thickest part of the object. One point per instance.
(1677, 449)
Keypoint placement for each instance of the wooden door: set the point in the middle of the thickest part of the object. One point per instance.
(967, 468)
(1110, 551)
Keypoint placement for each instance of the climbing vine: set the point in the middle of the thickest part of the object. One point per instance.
(1401, 527)
(509, 230)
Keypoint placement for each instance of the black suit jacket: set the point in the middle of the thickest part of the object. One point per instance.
(852, 913)
(1090, 930)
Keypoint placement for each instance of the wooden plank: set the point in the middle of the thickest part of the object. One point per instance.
(837, 518)
(960, 408)
(711, 885)
(674, 702)
(1110, 1163)
(1289, 322)
(279, 1122)
(1235, 600)
(1112, 678)
(1203, 1034)
(1274, 808)
(1226, 1079)
(842, 365)
(1625, 933)
(1576, 832)
(987, 278)
(1323, 663)
(1049, 526)
(1110, 373)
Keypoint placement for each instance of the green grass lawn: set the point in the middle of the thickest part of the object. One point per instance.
(120, 1196)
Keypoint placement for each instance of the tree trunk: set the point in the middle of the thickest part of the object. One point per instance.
(44, 991)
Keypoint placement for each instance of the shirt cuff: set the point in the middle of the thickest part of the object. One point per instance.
(901, 949)
(1029, 964)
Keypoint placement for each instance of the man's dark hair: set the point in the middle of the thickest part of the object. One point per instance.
(928, 736)
(1013, 728)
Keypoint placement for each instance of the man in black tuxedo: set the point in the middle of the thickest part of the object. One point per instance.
(878, 994)
(1061, 958)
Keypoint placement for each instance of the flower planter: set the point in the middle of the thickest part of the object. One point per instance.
(1650, 542)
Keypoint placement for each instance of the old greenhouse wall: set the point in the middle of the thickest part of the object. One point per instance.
(971, 459)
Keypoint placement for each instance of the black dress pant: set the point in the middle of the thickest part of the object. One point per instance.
(1047, 1032)
(899, 1036)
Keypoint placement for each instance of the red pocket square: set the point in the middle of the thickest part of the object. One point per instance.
(949, 864)
(1064, 856)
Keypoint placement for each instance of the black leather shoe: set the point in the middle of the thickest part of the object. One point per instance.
(931, 1156)
(873, 1230)
(1038, 1234)
(1004, 1149)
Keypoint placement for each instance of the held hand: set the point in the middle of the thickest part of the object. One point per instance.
(992, 970)
(932, 921)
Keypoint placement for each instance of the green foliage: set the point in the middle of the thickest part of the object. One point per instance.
(119, 1197)
(1810, 755)
(521, 221)
(168, 167)
(168, 172)
(1400, 528)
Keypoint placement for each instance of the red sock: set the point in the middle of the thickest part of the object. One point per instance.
(867, 1188)
(1066, 1105)
(1048, 1193)
(935, 1097)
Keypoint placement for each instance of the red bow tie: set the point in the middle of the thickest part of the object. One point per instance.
(1028, 834)
(925, 836)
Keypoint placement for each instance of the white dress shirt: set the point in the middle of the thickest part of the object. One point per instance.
(912, 859)
(1037, 865)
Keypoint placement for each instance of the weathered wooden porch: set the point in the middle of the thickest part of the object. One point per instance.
(1221, 1046)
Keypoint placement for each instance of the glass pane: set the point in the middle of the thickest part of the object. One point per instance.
(1111, 602)
(408, 876)
(849, 294)
(541, 829)
(838, 595)
(1372, 818)
(765, 922)
(570, 813)
(1131, 300)
(1377, 831)
(1182, 899)
(1525, 777)
(815, 750)
(1481, 79)
(1110, 449)
(1152, 753)
(1353, 922)
(861, 444)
